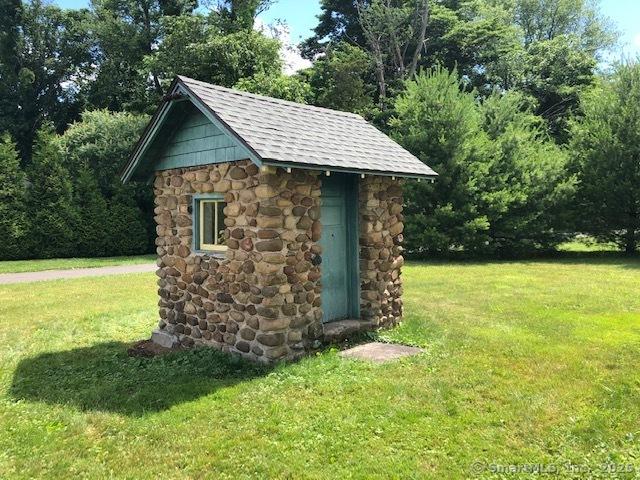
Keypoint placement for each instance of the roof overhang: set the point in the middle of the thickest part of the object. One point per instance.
(362, 172)
(180, 92)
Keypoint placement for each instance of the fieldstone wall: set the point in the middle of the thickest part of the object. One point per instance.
(260, 298)
(381, 226)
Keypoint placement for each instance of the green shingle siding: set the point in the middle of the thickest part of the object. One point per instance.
(198, 142)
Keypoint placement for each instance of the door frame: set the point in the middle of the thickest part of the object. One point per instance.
(351, 186)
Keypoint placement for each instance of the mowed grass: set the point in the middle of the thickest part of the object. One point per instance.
(525, 363)
(19, 266)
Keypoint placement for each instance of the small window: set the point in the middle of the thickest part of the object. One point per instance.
(211, 225)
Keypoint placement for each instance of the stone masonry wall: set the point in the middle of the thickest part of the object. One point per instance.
(381, 226)
(260, 298)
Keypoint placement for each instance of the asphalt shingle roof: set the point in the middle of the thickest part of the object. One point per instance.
(293, 133)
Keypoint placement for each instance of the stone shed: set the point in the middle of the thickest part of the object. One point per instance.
(279, 225)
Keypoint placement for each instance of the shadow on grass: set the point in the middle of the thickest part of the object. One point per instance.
(103, 378)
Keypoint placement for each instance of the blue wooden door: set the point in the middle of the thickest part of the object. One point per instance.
(337, 257)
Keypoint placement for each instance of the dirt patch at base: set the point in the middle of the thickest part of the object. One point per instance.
(147, 348)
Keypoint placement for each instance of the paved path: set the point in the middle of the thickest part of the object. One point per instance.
(25, 277)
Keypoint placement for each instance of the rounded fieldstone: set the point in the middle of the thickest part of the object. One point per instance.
(267, 312)
(247, 334)
(237, 173)
(237, 233)
(252, 322)
(269, 211)
(267, 234)
(271, 339)
(273, 245)
(298, 211)
(314, 213)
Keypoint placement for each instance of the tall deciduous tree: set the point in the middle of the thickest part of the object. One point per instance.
(606, 158)
(339, 79)
(126, 31)
(292, 88)
(197, 47)
(241, 14)
(394, 31)
(45, 57)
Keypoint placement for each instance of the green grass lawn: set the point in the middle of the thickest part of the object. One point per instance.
(18, 266)
(526, 363)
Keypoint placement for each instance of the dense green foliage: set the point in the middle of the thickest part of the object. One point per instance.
(339, 79)
(52, 216)
(285, 87)
(491, 113)
(606, 159)
(13, 220)
(502, 182)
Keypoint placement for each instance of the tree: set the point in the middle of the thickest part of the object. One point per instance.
(502, 182)
(543, 20)
(337, 23)
(102, 142)
(556, 72)
(45, 58)
(292, 88)
(239, 15)
(339, 79)
(440, 124)
(126, 228)
(49, 202)
(126, 31)
(395, 33)
(91, 234)
(96, 149)
(605, 143)
(13, 223)
(547, 48)
(213, 55)
(525, 188)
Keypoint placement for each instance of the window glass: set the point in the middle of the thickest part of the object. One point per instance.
(208, 223)
(220, 224)
(211, 225)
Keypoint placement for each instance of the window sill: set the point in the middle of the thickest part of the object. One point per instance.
(217, 254)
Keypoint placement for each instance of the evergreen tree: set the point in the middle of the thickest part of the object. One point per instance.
(92, 234)
(441, 125)
(126, 228)
(50, 205)
(13, 224)
(526, 188)
(502, 183)
(606, 159)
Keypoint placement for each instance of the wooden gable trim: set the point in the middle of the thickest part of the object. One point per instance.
(178, 92)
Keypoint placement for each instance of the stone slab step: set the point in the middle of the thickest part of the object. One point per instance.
(380, 352)
(342, 329)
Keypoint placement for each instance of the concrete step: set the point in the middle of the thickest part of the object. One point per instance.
(340, 330)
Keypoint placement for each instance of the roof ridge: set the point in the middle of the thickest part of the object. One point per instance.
(266, 98)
